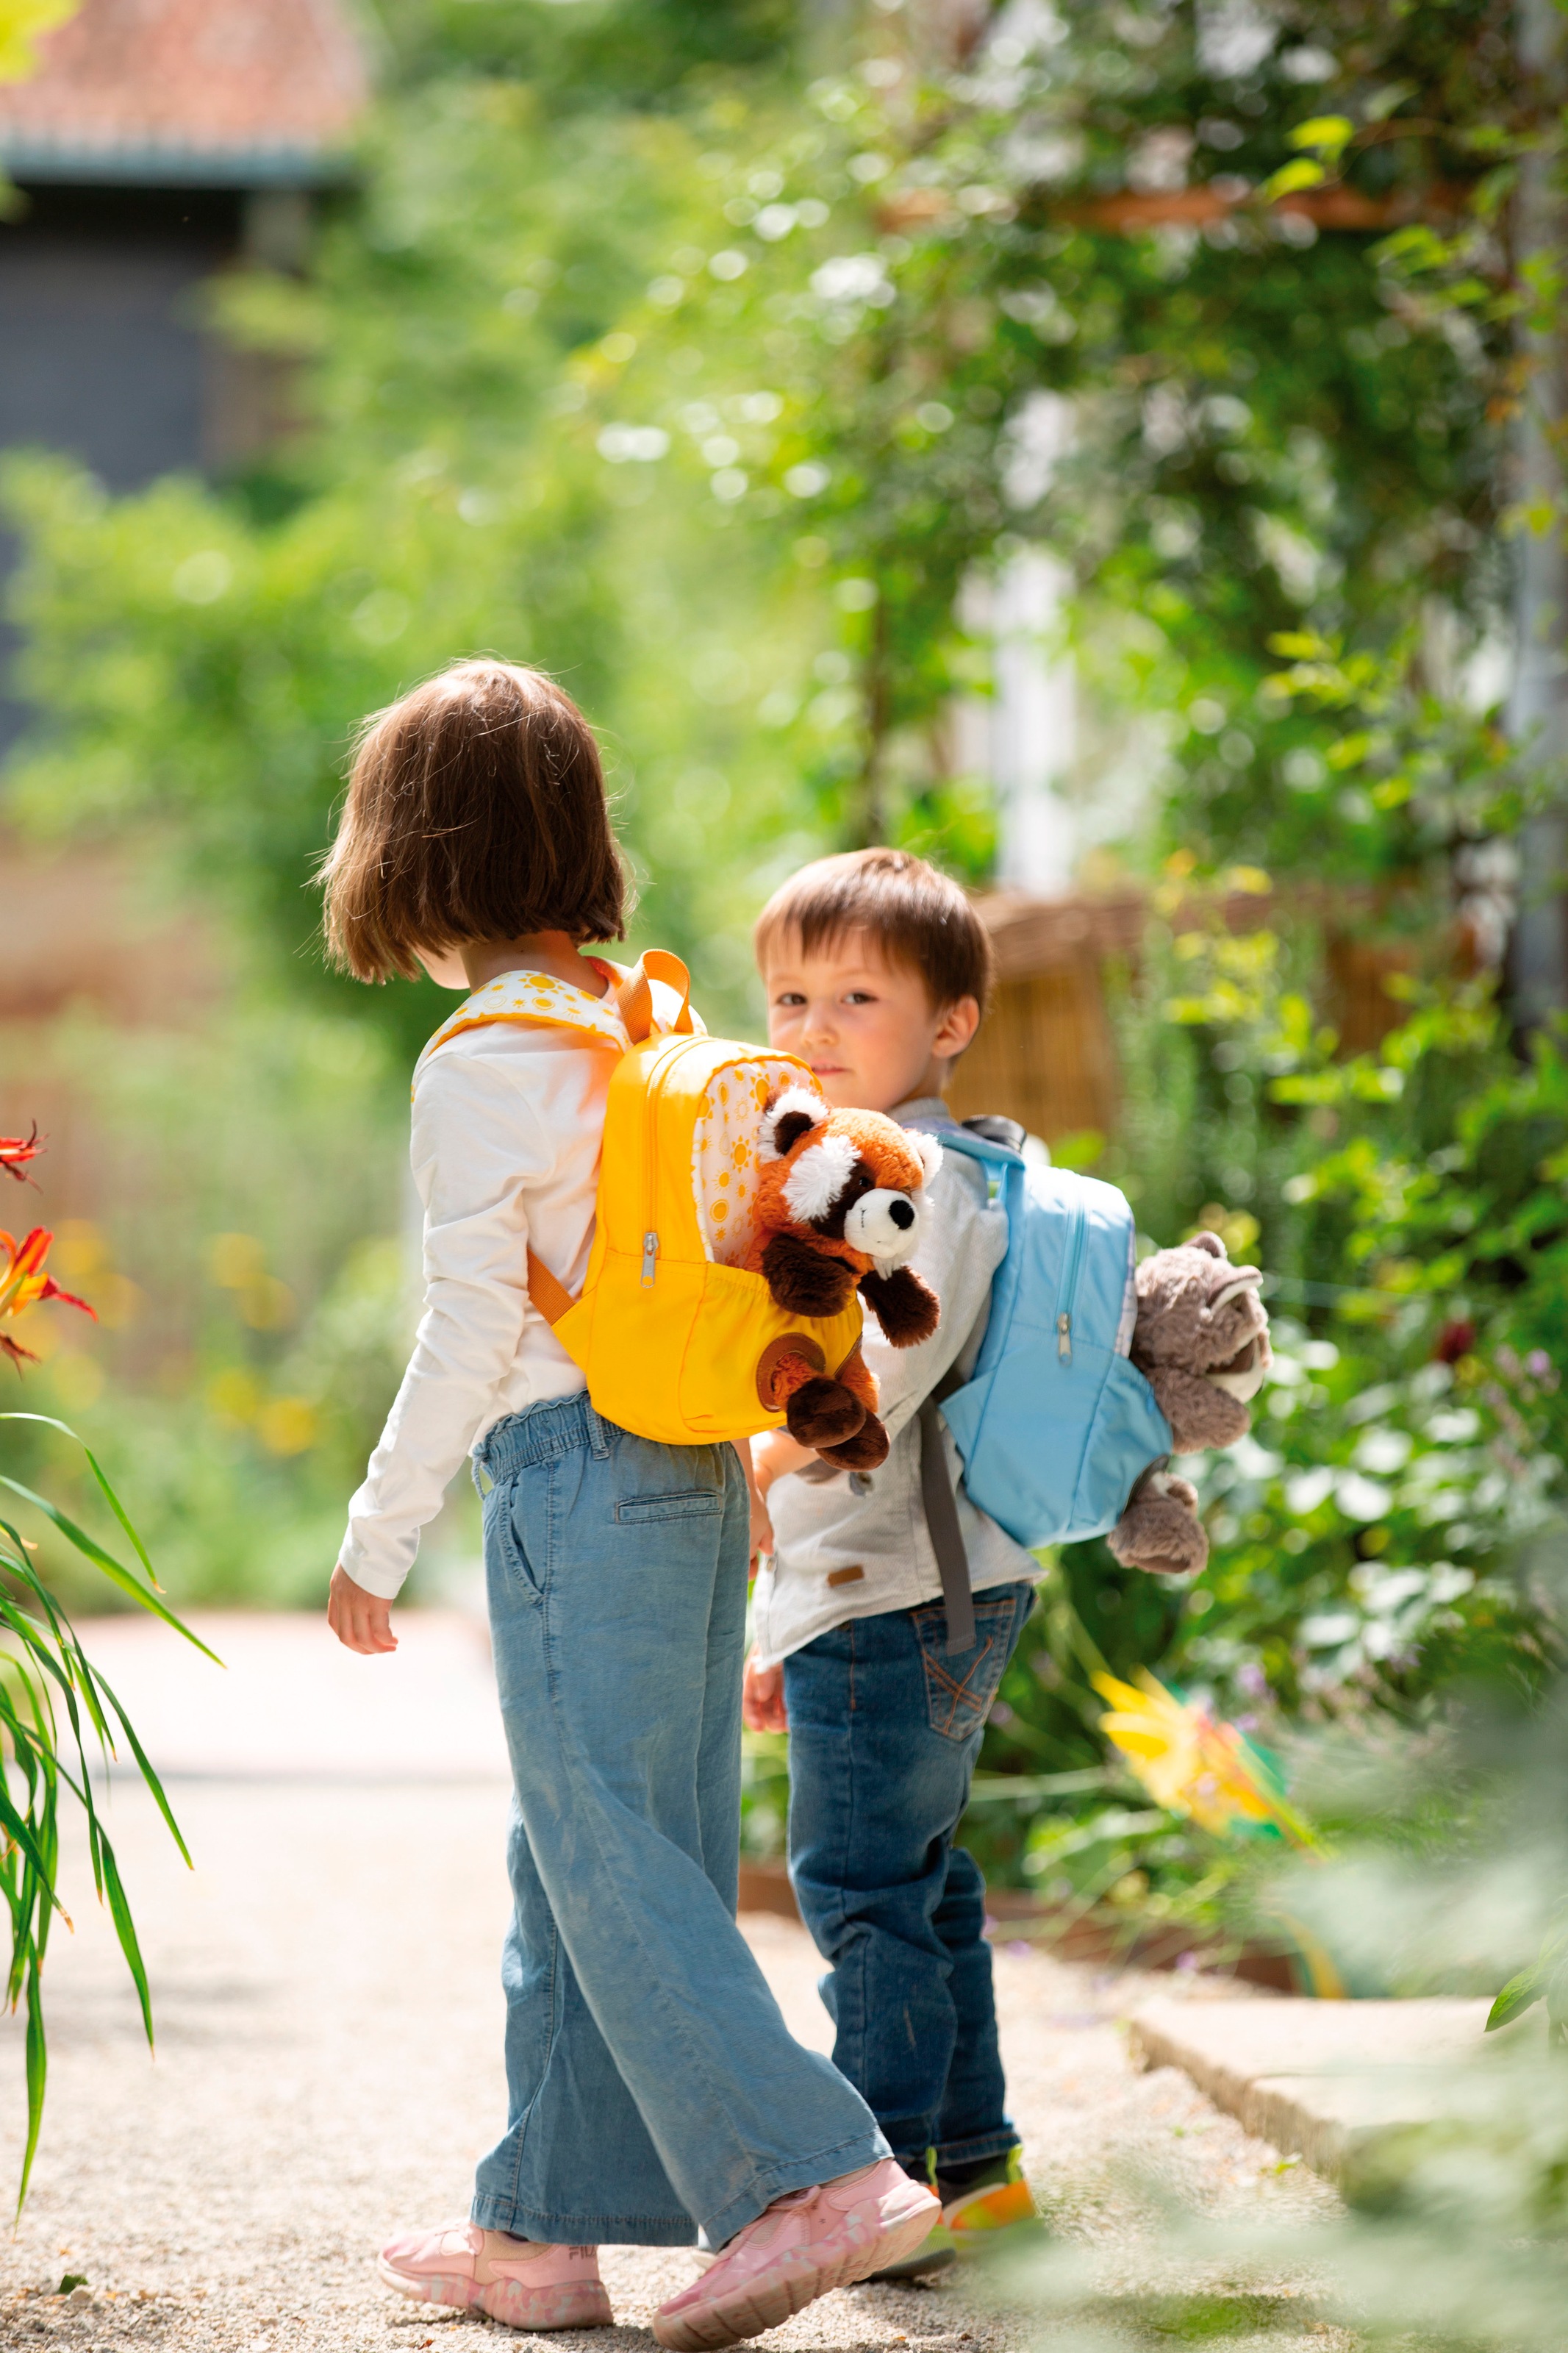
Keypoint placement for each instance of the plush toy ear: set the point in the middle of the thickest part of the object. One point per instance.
(929, 1149)
(1207, 1242)
(789, 1117)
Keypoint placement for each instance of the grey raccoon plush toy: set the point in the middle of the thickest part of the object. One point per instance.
(1202, 1342)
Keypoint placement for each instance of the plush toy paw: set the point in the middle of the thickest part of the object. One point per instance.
(903, 1304)
(1160, 1529)
(867, 1450)
(823, 1412)
(802, 1280)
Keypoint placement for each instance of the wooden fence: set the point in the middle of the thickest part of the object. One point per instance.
(1046, 1054)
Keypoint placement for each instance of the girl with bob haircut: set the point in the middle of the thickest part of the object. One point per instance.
(654, 2091)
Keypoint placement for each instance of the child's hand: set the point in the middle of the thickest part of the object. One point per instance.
(361, 1620)
(762, 1698)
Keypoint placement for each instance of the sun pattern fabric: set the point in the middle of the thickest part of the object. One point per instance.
(537, 1001)
(725, 1153)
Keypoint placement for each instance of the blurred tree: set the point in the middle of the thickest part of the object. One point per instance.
(200, 656)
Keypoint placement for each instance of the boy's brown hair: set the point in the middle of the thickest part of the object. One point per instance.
(476, 810)
(918, 918)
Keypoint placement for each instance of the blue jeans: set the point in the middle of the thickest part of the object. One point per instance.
(652, 2084)
(884, 1728)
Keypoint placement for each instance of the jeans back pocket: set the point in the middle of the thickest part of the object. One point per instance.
(961, 1686)
(688, 1503)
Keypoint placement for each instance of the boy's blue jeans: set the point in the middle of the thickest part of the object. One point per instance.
(884, 1730)
(652, 2084)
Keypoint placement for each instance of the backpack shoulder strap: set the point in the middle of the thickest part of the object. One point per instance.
(633, 999)
(623, 1018)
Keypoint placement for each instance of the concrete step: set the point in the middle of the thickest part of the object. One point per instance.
(1317, 2079)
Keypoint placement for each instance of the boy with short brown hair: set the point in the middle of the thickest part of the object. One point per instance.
(877, 970)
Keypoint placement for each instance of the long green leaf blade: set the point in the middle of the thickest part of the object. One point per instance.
(125, 1929)
(92, 1550)
(37, 2079)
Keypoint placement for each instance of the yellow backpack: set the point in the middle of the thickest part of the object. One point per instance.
(678, 1341)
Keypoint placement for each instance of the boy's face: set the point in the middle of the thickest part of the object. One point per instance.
(864, 1027)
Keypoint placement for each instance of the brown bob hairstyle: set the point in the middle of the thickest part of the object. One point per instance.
(918, 919)
(476, 810)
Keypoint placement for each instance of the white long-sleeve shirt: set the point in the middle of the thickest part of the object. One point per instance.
(506, 1129)
(856, 1545)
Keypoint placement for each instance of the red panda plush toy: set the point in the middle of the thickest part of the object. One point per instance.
(840, 1204)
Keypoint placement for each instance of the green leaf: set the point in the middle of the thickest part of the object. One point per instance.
(37, 2078)
(125, 1929)
(145, 1768)
(115, 1505)
(117, 1573)
(1299, 645)
(1290, 177)
(1324, 130)
(1383, 102)
(1520, 1993)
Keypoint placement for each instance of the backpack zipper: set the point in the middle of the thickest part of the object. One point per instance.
(650, 1233)
(1069, 1291)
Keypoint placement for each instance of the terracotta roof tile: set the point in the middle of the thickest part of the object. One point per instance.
(188, 89)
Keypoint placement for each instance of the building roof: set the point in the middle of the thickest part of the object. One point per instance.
(208, 93)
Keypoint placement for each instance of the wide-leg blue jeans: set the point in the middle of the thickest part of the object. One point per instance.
(653, 2087)
(884, 1730)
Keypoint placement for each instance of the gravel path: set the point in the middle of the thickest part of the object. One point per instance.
(327, 2068)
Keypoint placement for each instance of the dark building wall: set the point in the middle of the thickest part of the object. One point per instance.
(100, 354)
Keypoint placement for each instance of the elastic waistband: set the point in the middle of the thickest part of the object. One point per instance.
(553, 1425)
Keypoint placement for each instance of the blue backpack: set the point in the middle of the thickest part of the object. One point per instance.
(1055, 1425)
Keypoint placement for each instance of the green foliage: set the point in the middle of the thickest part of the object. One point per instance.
(46, 1675)
(256, 1297)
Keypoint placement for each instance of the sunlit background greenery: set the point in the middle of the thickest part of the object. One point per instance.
(705, 355)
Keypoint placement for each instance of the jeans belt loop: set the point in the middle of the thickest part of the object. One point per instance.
(598, 1435)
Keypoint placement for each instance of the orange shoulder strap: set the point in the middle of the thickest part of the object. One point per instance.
(633, 999)
(550, 1296)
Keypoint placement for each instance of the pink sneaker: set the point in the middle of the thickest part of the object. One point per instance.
(514, 2280)
(804, 2244)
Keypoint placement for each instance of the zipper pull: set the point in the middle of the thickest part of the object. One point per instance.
(1063, 1337)
(649, 1253)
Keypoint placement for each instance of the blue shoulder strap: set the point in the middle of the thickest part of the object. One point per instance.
(936, 1487)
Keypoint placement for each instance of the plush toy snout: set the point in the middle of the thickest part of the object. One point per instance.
(887, 1225)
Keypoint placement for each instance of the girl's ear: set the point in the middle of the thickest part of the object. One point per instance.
(445, 967)
(789, 1117)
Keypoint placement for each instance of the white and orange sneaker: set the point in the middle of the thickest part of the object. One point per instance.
(516, 2281)
(814, 2240)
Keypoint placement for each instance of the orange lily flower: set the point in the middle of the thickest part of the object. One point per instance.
(1190, 1763)
(23, 1282)
(16, 1150)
